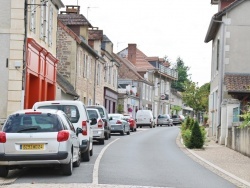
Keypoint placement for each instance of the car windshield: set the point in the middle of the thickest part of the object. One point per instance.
(32, 123)
(163, 116)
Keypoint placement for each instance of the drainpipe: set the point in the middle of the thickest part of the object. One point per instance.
(24, 52)
(94, 100)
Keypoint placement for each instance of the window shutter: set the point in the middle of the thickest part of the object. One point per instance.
(42, 22)
(50, 26)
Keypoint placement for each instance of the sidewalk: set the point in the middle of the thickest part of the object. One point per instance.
(223, 161)
(231, 165)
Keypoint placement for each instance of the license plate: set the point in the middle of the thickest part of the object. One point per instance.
(32, 146)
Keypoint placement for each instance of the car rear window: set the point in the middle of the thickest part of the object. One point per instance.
(70, 110)
(23, 123)
(92, 114)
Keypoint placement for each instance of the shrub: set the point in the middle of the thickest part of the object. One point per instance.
(186, 135)
(196, 140)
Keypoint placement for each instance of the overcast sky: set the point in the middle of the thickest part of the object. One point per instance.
(173, 28)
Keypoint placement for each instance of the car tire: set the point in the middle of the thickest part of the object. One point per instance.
(128, 133)
(91, 152)
(122, 133)
(101, 141)
(68, 168)
(110, 135)
(106, 136)
(4, 171)
(86, 155)
(77, 163)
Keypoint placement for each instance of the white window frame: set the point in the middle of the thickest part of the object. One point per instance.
(33, 16)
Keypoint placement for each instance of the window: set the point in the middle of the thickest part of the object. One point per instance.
(50, 26)
(33, 16)
(44, 21)
(98, 76)
(218, 55)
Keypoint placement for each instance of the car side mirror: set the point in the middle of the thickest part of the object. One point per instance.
(78, 131)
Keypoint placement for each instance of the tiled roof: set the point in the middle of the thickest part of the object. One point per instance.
(66, 85)
(74, 19)
(141, 61)
(239, 83)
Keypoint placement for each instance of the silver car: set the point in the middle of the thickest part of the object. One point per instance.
(43, 137)
(97, 125)
(164, 119)
(119, 124)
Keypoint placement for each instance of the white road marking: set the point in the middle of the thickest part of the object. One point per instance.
(97, 162)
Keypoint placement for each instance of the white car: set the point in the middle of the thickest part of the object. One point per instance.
(145, 118)
(119, 124)
(97, 125)
(39, 138)
(77, 113)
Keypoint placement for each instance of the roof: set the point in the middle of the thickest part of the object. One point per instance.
(141, 61)
(237, 83)
(66, 85)
(216, 20)
(74, 19)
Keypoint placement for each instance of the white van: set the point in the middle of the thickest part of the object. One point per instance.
(78, 115)
(144, 118)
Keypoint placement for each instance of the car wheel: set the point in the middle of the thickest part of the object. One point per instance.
(77, 163)
(106, 136)
(122, 133)
(109, 135)
(128, 133)
(86, 155)
(68, 168)
(140, 126)
(91, 151)
(101, 141)
(4, 171)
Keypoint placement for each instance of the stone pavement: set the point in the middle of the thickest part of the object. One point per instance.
(223, 161)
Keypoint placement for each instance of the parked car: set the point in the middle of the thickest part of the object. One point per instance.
(104, 114)
(176, 119)
(119, 124)
(144, 118)
(77, 113)
(97, 125)
(39, 138)
(131, 122)
(164, 119)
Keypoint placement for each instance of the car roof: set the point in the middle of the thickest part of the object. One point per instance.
(52, 111)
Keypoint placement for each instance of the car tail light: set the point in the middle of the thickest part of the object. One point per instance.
(84, 128)
(62, 136)
(100, 124)
(118, 122)
(2, 137)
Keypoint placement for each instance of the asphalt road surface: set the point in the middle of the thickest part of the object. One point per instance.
(148, 157)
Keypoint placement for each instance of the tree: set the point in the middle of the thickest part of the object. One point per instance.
(196, 140)
(182, 75)
(196, 97)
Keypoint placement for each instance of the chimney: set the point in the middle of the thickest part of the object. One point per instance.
(72, 9)
(224, 3)
(132, 53)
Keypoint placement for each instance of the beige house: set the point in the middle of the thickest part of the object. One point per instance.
(25, 25)
(230, 69)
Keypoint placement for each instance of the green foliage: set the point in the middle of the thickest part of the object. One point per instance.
(192, 134)
(246, 117)
(196, 97)
(176, 109)
(120, 108)
(182, 75)
(196, 140)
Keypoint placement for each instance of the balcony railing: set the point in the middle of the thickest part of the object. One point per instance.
(168, 71)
